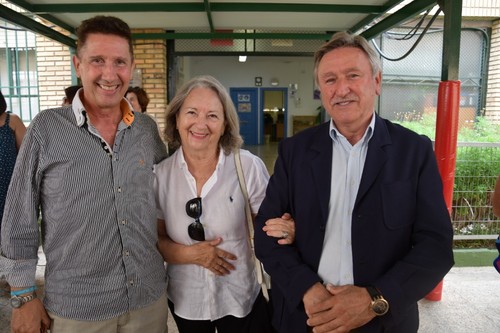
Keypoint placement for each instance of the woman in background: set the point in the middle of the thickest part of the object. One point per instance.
(12, 132)
(138, 98)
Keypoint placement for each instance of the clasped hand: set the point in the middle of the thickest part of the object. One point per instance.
(337, 309)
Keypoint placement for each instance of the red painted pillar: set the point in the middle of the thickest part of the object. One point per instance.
(445, 148)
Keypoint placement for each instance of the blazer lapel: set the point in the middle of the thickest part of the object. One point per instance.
(375, 157)
(320, 155)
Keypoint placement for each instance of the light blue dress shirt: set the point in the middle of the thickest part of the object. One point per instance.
(348, 160)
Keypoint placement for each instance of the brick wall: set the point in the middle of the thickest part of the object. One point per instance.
(481, 8)
(54, 70)
(151, 58)
(492, 111)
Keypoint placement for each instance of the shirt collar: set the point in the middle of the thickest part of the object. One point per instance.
(335, 134)
(182, 160)
(79, 109)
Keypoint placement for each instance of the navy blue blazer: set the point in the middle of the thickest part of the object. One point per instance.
(401, 228)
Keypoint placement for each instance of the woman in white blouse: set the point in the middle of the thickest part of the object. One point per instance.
(201, 215)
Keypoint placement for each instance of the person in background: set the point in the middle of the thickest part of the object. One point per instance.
(373, 234)
(211, 271)
(86, 169)
(12, 131)
(69, 94)
(138, 98)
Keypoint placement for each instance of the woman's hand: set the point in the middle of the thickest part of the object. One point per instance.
(208, 255)
(205, 254)
(282, 227)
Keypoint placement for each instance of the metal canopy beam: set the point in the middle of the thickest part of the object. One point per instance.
(209, 15)
(26, 22)
(411, 10)
(29, 7)
(451, 39)
(45, 10)
(234, 35)
(196, 7)
(370, 18)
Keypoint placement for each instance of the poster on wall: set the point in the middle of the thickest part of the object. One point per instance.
(243, 97)
(244, 107)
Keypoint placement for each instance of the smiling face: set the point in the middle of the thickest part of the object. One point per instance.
(348, 88)
(201, 122)
(104, 65)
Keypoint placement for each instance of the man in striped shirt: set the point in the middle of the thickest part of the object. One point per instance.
(88, 169)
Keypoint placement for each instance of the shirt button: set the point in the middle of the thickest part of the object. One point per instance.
(119, 190)
(124, 222)
(126, 253)
(131, 282)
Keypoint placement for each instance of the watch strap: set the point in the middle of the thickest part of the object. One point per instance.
(379, 304)
(21, 300)
(374, 292)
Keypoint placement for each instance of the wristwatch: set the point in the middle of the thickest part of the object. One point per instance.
(17, 301)
(379, 304)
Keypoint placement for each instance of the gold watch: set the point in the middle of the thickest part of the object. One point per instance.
(379, 304)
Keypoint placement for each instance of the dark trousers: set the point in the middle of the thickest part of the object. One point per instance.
(257, 321)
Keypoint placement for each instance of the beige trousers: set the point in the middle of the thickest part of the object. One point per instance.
(151, 319)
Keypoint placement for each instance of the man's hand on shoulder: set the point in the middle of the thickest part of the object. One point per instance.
(30, 318)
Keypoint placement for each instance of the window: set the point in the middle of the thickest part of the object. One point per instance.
(18, 71)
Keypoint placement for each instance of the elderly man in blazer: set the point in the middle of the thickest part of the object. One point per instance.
(373, 234)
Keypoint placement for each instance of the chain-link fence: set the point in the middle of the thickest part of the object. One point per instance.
(410, 85)
(477, 168)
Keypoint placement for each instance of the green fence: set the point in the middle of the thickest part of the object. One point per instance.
(477, 168)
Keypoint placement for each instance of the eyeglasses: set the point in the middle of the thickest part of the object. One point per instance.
(195, 229)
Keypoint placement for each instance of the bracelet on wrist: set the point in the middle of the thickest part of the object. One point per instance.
(23, 291)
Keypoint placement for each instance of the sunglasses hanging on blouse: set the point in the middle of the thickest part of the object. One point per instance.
(195, 229)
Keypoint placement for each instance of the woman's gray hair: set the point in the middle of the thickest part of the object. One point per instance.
(345, 39)
(231, 139)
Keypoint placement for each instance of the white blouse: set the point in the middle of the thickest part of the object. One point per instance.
(197, 293)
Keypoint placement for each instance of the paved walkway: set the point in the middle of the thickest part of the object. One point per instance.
(470, 304)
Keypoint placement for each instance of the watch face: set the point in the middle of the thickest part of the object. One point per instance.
(380, 307)
(16, 302)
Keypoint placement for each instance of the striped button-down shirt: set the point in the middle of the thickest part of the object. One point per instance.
(98, 214)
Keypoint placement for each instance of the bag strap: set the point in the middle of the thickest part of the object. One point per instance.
(250, 229)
